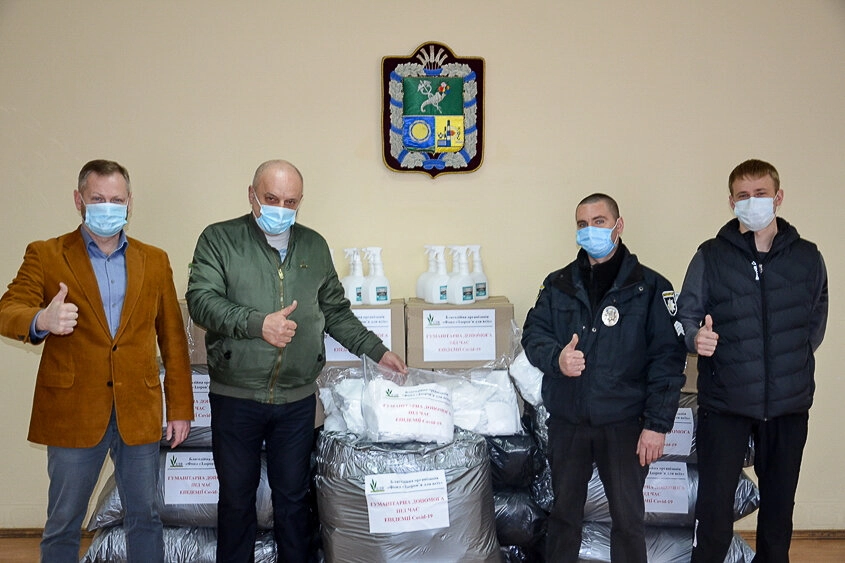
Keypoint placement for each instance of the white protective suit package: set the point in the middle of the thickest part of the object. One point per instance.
(528, 379)
(441, 522)
(371, 401)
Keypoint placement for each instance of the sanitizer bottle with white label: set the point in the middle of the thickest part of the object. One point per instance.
(478, 275)
(376, 289)
(435, 291)
(422, 280)
(461, 287)
(353, 284)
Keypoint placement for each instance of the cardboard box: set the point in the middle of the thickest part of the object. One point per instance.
(195, 334)
(387, 321)
(457, 336)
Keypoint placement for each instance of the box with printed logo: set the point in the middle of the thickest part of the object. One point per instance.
(457, 336)
(387, 321)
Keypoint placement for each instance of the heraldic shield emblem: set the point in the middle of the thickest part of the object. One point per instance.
(432, 111)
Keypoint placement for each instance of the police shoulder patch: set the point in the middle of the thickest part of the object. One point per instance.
(669, 298)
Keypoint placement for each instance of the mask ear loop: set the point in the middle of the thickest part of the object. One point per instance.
(616, 224)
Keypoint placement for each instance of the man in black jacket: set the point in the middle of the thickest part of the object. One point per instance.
(603, 334)
(754, 307)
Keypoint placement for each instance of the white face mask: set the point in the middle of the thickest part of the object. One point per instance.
(756, 213)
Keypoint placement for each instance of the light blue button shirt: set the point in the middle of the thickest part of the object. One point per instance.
(110, 271)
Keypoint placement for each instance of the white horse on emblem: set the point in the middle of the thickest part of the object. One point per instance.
(434, 98)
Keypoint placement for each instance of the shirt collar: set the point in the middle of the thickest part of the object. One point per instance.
(91, 244)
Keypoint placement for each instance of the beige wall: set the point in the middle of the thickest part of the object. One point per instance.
(653, 102)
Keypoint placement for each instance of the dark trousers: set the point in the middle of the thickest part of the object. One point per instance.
(572, 451)
(722, 440)
(238, 429)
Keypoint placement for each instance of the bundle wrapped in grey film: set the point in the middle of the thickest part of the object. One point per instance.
(536, 419)
(109, 509)
(182, 545)
(343, 462)
(200, 436)
(666, 545)
(746, 501)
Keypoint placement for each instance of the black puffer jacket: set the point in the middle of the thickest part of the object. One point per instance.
(634, 366)
(770, 313)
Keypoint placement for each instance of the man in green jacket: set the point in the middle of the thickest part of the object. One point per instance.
(265, 289)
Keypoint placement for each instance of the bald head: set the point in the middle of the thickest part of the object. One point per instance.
(275, 166)
(277, 183)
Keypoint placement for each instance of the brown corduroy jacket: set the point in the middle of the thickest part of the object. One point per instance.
(85, 374)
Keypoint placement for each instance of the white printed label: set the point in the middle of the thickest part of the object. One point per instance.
(679, 440)
(377, 320)
(666, 488)
(407, 502)
(459, 335)
(190, 478)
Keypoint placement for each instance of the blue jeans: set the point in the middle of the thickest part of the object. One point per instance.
(73, 475)
(239, 427)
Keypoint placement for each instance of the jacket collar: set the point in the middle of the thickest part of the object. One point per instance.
(570, 281)
(786, 235)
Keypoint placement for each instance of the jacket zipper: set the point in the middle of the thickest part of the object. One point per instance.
(277, 369)
(758, 272)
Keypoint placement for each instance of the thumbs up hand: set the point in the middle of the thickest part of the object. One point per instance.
(571, 361)
(58, 317)
(706, 339)
(278, 330)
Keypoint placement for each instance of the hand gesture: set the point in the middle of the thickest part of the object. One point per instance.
(278, 330)
(58, 317)
(571, 360)
(650, 446)
(706, 339)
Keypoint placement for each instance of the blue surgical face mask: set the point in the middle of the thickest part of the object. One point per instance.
(756, 213)
(275, 220)
(105, 219)
(596, 241)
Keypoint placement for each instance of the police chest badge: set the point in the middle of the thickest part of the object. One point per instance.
(610, 316)
(432, 111)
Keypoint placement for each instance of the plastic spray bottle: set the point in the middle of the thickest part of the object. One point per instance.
(376, 290)
(438, 282)
(422, 281)
(354, 282)
(478, 275)
(461, 287)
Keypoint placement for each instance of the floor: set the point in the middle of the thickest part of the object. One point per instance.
(25, 550)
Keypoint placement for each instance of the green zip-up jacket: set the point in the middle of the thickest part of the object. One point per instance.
(237, 279)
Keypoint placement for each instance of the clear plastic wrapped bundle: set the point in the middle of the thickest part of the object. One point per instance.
(181, 545)
(109, 508)
(666, 545)
(383, 406)
(344, 464)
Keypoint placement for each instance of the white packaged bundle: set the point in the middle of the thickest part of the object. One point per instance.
(528, 379)
(484, 401)
(415, 413)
